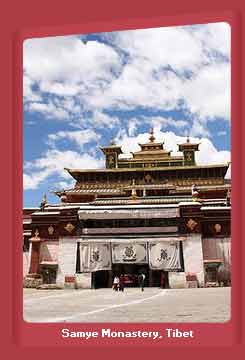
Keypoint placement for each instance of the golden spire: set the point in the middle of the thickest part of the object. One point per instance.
(152, 137)
(44, 201)
(44, 198)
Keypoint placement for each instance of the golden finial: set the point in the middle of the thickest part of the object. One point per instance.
(44, 201)
(152, 137)
(44, 198)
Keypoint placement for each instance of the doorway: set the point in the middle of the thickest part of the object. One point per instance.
(159, 278)
(131, 273)
(101, 279)
(48, 274)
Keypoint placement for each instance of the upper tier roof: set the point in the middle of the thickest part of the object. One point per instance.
(162, 168)
(153, 166)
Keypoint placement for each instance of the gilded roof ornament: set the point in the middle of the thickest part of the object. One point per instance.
(69, 227)
(50, 230)
(44, 202)
(152, 137)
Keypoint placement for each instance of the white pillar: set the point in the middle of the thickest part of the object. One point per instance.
(25, 263)
(66, 259)
(193, 256)
(29, 257)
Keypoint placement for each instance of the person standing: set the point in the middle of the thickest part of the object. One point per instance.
(115, 285)
(142, 281)
(162, 282)
(121, 283)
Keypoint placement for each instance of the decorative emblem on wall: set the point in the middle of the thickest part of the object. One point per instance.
(69, 227)
(95, 256)
(189, 156)
(163, 255)
(129, 254)
(191, 224)
(111, 161)
(50, 230)
(217, 228)
(148, 179)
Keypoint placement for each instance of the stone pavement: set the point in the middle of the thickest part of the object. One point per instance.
(105, 305)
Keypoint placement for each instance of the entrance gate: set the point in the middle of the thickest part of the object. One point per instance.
(101, 279)
(130, 272)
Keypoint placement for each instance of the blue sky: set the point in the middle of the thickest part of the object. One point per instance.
(82, 91)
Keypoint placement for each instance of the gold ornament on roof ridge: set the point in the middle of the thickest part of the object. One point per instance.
(69, 227)
(50, 230)
(152, 137)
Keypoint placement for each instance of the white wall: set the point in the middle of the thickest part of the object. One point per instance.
(83, 281)
(66, 259)
(177, 280)
(193, 256)
(217, 248)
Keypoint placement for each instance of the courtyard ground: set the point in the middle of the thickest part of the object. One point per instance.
(105, 305)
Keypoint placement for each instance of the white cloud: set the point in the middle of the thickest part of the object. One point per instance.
(215, 37)
(102, 120)
(66, 68)
(199, 129)
(53, 163)
(133, 125)
(50, 110)
(159, 123)
(154, 74)
(208, 154)
(208, 93)
(162, 47)
(147, 81)
(137, 87)
(32, 181)
(28, 90)
(59, 60)
(79, 137)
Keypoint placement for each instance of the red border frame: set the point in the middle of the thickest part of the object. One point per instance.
(45, 18)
